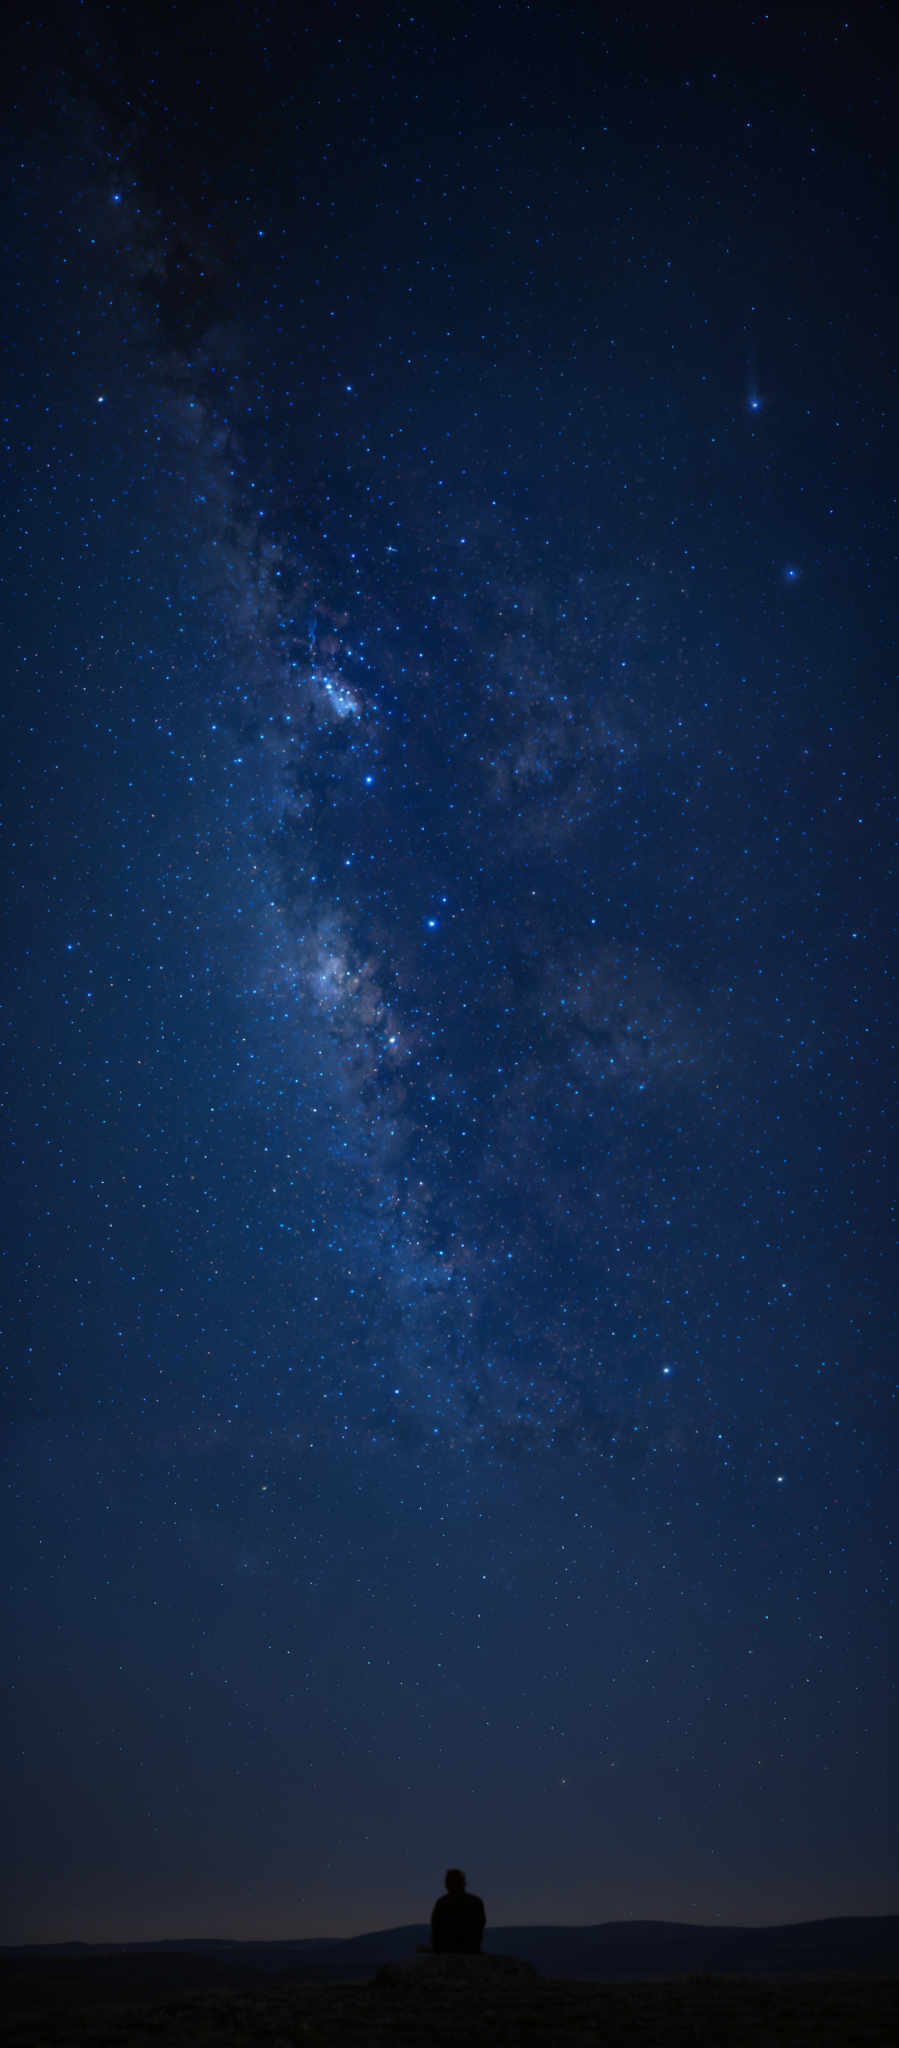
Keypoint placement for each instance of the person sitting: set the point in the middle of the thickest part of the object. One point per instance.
(458, 1919)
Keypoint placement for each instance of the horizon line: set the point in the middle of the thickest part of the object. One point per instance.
(404, 1926)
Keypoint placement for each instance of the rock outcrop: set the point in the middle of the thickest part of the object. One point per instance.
(484, 1976)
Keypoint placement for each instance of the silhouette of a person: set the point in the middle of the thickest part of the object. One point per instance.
(458, 1919)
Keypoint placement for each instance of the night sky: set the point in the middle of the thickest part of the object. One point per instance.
(449, 644)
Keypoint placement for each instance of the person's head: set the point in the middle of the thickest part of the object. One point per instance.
(455, 1880)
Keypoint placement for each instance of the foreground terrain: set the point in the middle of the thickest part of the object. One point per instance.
(703, 2012)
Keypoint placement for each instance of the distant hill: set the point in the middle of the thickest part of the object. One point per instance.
(615, 1949)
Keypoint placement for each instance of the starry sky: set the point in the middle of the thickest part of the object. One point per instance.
(450, 736)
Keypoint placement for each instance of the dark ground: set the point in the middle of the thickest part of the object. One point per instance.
(88, 2006)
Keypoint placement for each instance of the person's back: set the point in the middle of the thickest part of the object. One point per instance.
(458, 1919)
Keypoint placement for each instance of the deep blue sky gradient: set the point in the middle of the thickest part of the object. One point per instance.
(450, 640)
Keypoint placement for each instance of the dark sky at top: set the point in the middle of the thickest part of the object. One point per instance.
(449, 645)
